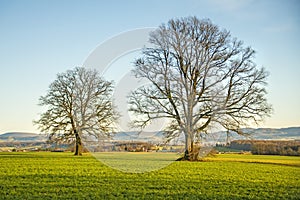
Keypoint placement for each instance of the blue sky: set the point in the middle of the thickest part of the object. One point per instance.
(40, 38)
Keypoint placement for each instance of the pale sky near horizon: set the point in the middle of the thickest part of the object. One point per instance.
(40, 38)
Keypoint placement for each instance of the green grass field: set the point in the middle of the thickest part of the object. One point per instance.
(63, 176)
(136, 162)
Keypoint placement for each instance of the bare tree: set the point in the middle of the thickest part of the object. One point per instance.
(78, 104)
(200, 76)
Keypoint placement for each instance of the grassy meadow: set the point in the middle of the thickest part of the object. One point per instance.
(48, 175)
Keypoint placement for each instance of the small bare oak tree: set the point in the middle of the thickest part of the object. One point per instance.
(79, 104)
(199, 76)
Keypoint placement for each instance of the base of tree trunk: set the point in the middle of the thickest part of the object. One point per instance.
(181, 159)
(78, 149)
(190, 156)
(191, 160)
(194, 155)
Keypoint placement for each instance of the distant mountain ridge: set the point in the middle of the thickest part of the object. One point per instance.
(22, 137)
(143, 136)
(276, 134)
(290, 133)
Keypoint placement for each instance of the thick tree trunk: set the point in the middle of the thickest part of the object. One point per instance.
(187, 148)
(78, 145)
(191, 152)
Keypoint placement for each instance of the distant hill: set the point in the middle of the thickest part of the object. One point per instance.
(290, 133)
(22, 137)
(139, 136)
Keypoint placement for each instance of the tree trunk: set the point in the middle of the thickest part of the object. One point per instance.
(187, 147)
(78, 145)
(191, 151)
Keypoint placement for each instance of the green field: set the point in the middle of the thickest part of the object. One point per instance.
(136, 162)
(63, 176)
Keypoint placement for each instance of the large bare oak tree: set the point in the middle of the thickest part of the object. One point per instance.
(79, 104)
(199, 76)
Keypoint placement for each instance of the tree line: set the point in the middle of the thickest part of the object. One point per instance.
(268, 147)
